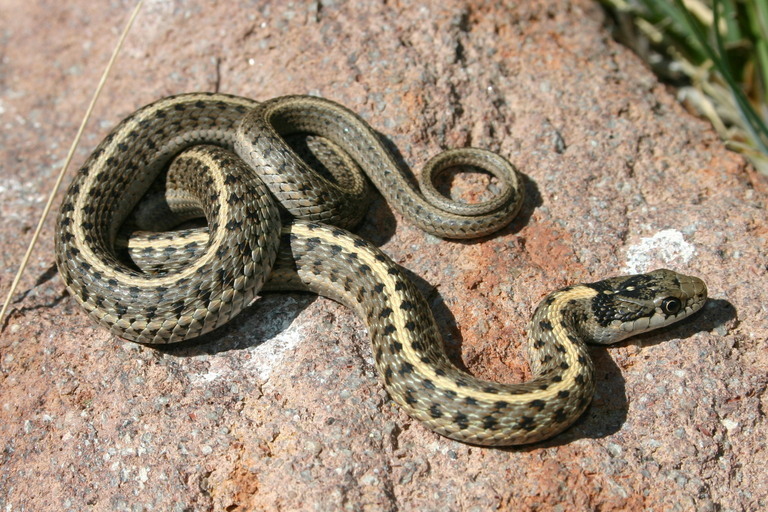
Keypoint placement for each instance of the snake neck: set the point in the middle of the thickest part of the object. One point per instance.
(557, 351)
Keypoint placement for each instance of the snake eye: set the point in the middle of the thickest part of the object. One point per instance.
(671, 305)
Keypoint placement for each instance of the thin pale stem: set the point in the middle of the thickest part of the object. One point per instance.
(67, 161)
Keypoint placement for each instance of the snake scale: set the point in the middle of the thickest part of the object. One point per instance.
(227, 158)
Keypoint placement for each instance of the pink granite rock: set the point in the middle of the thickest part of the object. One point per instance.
(282, 409)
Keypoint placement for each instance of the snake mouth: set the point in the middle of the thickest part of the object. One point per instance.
(691, 292)
(699, 293)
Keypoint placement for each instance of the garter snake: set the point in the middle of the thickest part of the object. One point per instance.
(226, 156)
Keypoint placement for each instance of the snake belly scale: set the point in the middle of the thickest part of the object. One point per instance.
(227, 156)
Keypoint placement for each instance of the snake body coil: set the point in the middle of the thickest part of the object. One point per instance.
(161, 288)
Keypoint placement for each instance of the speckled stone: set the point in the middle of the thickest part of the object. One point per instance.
(282, 409)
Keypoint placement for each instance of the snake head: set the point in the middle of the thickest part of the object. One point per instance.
(629, 305)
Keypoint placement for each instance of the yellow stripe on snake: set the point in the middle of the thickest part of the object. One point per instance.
(226, 158)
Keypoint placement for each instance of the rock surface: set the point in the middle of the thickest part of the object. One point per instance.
(282, 409)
